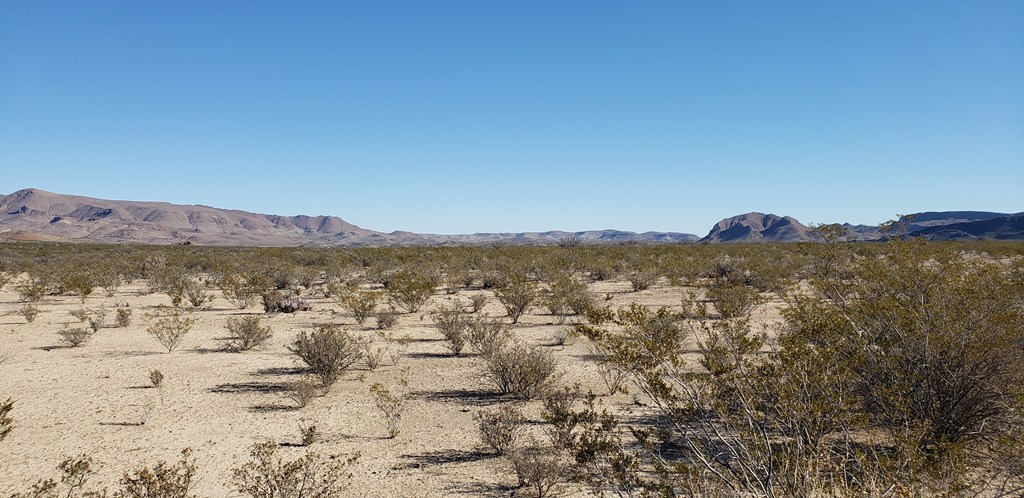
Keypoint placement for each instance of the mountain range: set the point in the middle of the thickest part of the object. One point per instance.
(34, 214)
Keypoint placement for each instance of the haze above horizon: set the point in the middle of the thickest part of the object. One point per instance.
(463, 117)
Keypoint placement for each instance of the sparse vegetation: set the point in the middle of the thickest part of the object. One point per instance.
(390, 405)
(169, 327)
(311, 476)
(163, 480)
(502, 428)
(521, 370)
(74, 337)
(328, 351)
(29, 312)
(156, 378)
(246, 333)
(452, 322)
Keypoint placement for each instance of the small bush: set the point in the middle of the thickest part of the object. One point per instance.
(642, 279)
(197, 296)
(246, 333)
(477, 302)
(29, 312)
(75, 473)
(311, 476)
(410, 291)
(501, 428)
(386, 319)
(521, 370)
(240, 291)
(308, 434)
(75, 337)
(163, 480)
(486, 335)
(31, 291)
(328, 352)
(451, 322)
(540, 470)
(156, 378)
(170, 328)
(517, 295)
(302, 392)
(373, 355)
(360, 303)
(390, 405)
(81, 314)
(123, 317)
(6, 422)
(277, 302)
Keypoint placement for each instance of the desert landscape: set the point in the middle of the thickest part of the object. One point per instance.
(86, 326)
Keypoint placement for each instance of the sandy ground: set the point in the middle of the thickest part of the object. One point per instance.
(97, 399)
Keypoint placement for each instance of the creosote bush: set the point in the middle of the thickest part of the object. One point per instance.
(246, 333)
(501, 428)
(29, 312)
(328, 351)
(517, 296)
(409, 290)
(75, 337)
(520, 370)
(169, 327)
(360, 303)
(163, 480)
(451, 321)
(539, 470)
(311, 476)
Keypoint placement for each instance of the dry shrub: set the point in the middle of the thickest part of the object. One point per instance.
(539, 470)
(123, 317)
(360, 303)
(197, 296)
(241, 291)
(308, 434)
(75, 473)
(311, 476)
(277, 302)
(156, 378)
(328, 351)
(409, 290)
(31, 291)
(302, 392)
(517, 295)
(6, 422)
(642, 280)
(390, 405)
(521, 370)
(487, 335)
(477, 302)
(501, 428)
(75, 337)
(246, 333)
(373, 355)
(29, 312)
(386, 319)
(170, 327)
(81, 314)
(163, 480)
(451, 322)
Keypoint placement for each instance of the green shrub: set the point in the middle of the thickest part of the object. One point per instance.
(501, 428)
(169, 327)
(409, 290)
(521, 370)
(517, 296)
(452, 322)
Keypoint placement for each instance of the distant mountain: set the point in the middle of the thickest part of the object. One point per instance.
(945, 225)
(34, 214)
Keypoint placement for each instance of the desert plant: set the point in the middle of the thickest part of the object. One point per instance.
(386, 319)
(169, 327)
(539, 470)
(246, 333)
(642, 279)
(75, 473)
(156, 378)
(123, 317)
(240, 290)
(360, 303)
(501, 428)
(487, 335)
(328, 351)
(196, 294)
(6, 422)
(31, 291)
(373, 355)
(75, 337)
(97, 320)
(276, 302)
(477, 302)
(521, 370)
(302, 392)
(29, 312)
(516, 295)
(308, 434)
(390, 405)
(311, 476)
(163, 480)
(409, 290)
(451, 322)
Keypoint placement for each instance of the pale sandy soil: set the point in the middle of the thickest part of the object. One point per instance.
(94, 399)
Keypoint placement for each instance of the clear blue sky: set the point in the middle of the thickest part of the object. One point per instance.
(465, 116)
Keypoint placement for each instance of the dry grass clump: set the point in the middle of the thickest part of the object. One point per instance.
(328, 351)
(501, 428)
(311, 476)
(246, 333)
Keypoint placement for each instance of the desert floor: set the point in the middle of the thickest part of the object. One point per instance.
(97, 399)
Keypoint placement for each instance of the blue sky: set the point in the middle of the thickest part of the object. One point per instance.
(467, 116)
